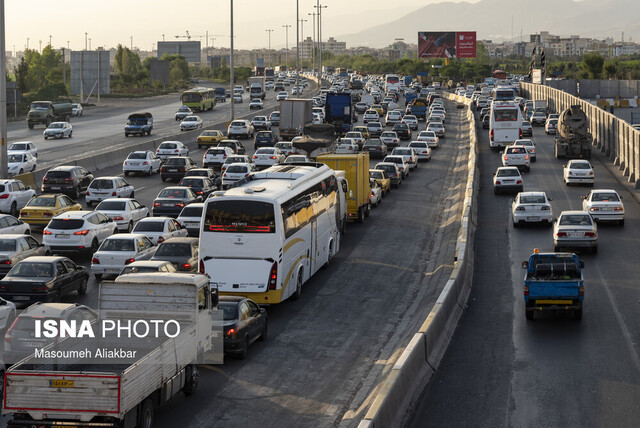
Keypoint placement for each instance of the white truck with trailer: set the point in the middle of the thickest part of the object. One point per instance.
(72, 390)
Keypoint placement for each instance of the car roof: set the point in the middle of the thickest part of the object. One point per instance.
(44, 259)
(574, 212)
(181, 240)
(51, 310)
(64, 168)
(73, 214)
(49, 195)
(126, 235)
(532, 193)
(12, 235)
(148, 263)
(508, 167)
(603, 191)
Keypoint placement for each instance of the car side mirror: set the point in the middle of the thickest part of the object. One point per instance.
(525, 264)
(554, 220)
(109, 220)
(549, 199)
(564, 166)
(584, 196)
(28, 187)
(620, 197)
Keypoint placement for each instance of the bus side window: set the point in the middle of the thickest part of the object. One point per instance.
(345, 188)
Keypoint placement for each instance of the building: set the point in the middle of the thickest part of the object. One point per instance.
(189, 49)
(331, 45)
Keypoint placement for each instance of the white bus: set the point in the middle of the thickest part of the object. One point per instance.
(392, 83)
(265, 238)
(504, 124)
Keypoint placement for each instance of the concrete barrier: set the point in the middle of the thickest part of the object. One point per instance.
(422, 356)
(613, 137)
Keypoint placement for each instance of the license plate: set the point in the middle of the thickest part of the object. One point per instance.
(575, 234)
(21, 298)
(534, 218)
(606, 209)
(32, 344)
(61, 383)
(507, 181)
(168, 204)
(135, 163)
(172, 170)
(62, 236)
(554, 302)
(55, 187)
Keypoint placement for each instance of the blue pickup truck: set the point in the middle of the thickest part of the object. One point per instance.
(553, 282)
(139, 124)
(419, 108)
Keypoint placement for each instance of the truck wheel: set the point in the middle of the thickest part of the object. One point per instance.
(360, 218)
(83, 287)
(577, 314)
(296, 294)
(30, 125)
(245, 349)
(146, 414)
(191, 383)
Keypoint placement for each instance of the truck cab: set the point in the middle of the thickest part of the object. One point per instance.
(553, 282)
(139, 124)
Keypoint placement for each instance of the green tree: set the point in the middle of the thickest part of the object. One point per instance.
(593, 63)
(610, 69)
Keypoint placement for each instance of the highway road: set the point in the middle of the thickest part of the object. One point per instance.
(101, 128)
(503, 371)
(328, 351)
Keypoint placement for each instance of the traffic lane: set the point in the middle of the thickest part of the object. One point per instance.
(330, 348)
(519, 371)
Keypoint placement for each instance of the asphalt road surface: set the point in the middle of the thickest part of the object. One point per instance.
(503, 371)
(329, 351)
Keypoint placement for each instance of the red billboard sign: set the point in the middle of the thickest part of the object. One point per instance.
(446, 44)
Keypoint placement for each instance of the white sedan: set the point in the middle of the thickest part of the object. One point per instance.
(124, 211)
(21, 162)
(347, 145)
(191, 122)
(24, 146)
(256, 103)
(261, 122)
(410, 120)
(604, 205)
(145, 162)
(58, 130)
(119, 250)
(10, 225)
(575, 229)
(267, 156)
(76, 109)
(282, 96)
(430, 138)
(531, 207)
(171, 148)
(159, 229)
(578, 171)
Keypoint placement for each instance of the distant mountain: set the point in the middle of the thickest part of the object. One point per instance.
(498, 19)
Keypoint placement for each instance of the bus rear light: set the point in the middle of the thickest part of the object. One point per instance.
(273, 276)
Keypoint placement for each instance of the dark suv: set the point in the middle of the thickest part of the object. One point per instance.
(176, 167)
(265, 139)
(70, 180)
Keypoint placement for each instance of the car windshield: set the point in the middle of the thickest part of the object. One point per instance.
(139, 269)
(15, 158)
(149, 226)
(263, 134)
(192, 182)
(375, 174)
(173, 193)
(189, 211)
(516, 150)
(32, 270)
(176, 161)
(229, 310)
(42, 202)
(56, 126)
(532, 199)
(7, 244)
(117, 245)
(575, 220)
(423, 145)
(101, 184)
(580, 165)
(511, 172)
(184, 109)
(373, 143)
(605, 197)
(167, 146)
(18, 147)
(111, 206)
(190, 119)
(237, 123)
(65, 224)
(216, 152)
(138, 155)
(237, 169)
(173, 249)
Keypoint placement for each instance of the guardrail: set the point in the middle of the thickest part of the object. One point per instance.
(616, 139)
(422, 356)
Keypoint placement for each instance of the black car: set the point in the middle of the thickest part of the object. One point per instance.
(68, 179)
(205, 172)
(265, 139)
(43, 279)
(171, 200)
(234, 145)
(176, 167)
(485, 121)
(244, 323)
(403, 131)
(181, 252)
(203, 186)
(375, 147)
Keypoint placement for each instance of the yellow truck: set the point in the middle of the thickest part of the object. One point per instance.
(356, 173)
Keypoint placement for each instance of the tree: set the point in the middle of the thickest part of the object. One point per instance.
(610, 69)
(593, 62)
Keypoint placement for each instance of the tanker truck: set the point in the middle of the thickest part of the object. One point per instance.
(573, 139)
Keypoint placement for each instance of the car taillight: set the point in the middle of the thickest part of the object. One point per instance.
(95, 261)
(618, 209)
(176, 151)
(157, 204)
(526, 290)
(581, 290)
(594, 209)
(527, 157)
(160, 240)
(255, 157)
(590, 172)
(163, 169)
(157, 150)
(126, 262)
(491, 135)
(45, 179)
(224, 175)
(272, 157)
(81, 232)
(505, 157)
(113, 193)
(231, 332)
(560, 234)
(246, 175)
(68, 179)
(5, 262)
(4, 196)
(186, 266)
(273, 276)
(201, 266)
(497, 181)
(145, 163)
(520, 132)
(590, 234)
(46, 232)
(179, 204)
(545, 208)
(395, 174)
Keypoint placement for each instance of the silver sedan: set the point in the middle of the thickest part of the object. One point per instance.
(575, 229)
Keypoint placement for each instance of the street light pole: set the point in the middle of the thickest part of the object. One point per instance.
(85, 40)
(286, 53)
(302, 21)
(4, 166)
(297, 46)
(231, 62)
(269, 51)
(313, 46)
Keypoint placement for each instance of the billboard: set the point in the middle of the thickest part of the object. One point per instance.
(446, 44)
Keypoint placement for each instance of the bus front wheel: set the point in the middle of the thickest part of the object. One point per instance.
(298, 292)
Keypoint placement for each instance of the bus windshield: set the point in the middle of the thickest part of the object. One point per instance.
(242, 216)
(505, 115)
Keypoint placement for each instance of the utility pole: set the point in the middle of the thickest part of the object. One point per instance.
(269, 51)
(64, 70)
(131, 38)
(286, 53)
(27, 42)
(313, 46)
(302, 21)
(85, 40)
(89, 43)
(320, 7)
(231, 65)
(297, 47)
(4, 167)
(163, 37)
(68, 46)
(40, 46)
(49, 39)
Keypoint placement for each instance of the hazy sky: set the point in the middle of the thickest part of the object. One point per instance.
(110, 22)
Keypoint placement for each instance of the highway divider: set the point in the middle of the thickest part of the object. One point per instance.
(421, 358)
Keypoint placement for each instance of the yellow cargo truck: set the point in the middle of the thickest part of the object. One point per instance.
(356, 172)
